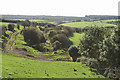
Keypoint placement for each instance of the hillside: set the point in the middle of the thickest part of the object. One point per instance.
(36, 48)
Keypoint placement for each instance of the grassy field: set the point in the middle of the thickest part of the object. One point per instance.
(84, 24)
(16, 67)
(76, 38)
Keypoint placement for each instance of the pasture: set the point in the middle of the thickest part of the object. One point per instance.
(84, 24)
(17, 67)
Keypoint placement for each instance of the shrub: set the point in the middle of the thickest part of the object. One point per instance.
(68, 31)
(4, 28)
(18, 26)
(33, 36)
(73, 52)
(51, 33)
(11, 27)
(25, 23)
(56, 45)
(63, 39)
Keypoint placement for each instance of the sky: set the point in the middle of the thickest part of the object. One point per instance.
(59, 7)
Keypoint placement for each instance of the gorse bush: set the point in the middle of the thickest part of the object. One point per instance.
(11, 27)
(51, 33)
(4, 28)
(73, 52)
(68, 31)
(56, 45)
(33, 36)
(63, 39)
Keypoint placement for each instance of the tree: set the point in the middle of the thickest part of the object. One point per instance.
(89, 44)
(33, 36)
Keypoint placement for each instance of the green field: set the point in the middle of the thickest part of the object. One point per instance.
(76, 38)
(16, 67)
(84, 24)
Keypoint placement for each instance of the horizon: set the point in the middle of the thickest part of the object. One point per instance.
(53, 15)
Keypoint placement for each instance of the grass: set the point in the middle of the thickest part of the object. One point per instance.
(76, 38)
(16, 67)
(84, 24)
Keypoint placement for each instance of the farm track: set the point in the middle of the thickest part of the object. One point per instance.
(14, 41)
(9, 40)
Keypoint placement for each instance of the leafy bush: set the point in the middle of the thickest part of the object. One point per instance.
(56, 45)
(51, 33)
(68, 31)
(73, 52)
(63, 39)
(25, 23)
(33, 36)
(11, 27)
(18, 26)
(4, 28)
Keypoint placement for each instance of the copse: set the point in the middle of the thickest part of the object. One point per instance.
(33, 36)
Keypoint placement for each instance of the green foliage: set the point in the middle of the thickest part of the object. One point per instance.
(110, 49)
(4, 28)
(68, 31)
(89, 44)
(73, 52)
(11, 27)
(63, 39)
(25, 23)
(56, 45)
(33, 36)
(102, 45)
(51, 33)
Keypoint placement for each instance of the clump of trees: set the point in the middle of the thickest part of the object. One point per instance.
(103, 45)
(33, 36)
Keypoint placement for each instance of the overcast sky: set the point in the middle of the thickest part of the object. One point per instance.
(59, 7)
